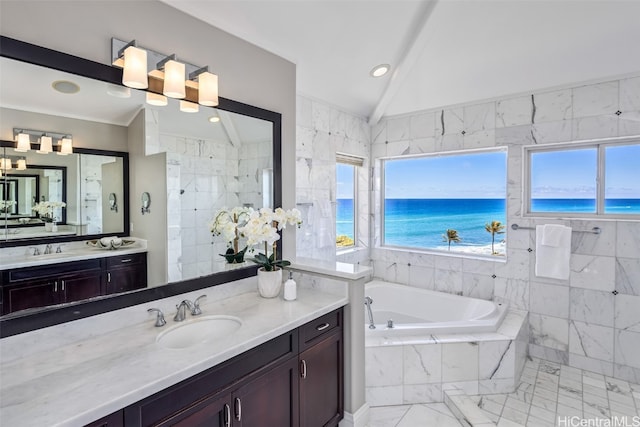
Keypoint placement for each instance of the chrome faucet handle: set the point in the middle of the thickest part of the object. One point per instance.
(36, 251)
(195, 310)
(59, 249)
(160, 317)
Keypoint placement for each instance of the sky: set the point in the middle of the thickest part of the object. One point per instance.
(474, 176)
(344, 181)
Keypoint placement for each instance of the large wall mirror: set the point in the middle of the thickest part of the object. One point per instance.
(218, 157)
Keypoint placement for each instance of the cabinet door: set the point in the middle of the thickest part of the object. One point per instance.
(126, 273)
(29, 294)
(214, 411)
(321, 383)
(113, 420)
(81, 286)
(271, 399)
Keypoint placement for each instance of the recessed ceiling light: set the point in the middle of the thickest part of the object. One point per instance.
(214, 119)
(65, 86)
(118, 91)
(380, 70)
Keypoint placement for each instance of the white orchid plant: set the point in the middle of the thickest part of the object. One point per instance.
(225, 223)
(262, 227)
(7, 205)
(45, 209)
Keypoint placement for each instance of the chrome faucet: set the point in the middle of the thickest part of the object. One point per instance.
(181, 314)
(195, 307)
(36, 251)
(159, 318)
(368, 301)
(47, 249)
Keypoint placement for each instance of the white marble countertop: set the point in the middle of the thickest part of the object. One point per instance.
(80, 380)
(76, 253)
(332, 269)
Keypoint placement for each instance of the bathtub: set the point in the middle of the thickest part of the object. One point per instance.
(416, 311)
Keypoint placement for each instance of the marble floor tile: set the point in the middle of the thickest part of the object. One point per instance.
(562, 391)
(431, 414)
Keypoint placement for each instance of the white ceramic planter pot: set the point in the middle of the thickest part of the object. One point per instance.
(269, 282)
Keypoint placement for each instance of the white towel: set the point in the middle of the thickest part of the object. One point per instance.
(552, 234)
(553, 260)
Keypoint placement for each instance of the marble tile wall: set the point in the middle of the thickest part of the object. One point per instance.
(590, 321)
(321, 132)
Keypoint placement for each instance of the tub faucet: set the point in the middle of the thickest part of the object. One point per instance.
(368, 301)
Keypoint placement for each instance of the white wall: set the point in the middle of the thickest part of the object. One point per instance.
(247, 73)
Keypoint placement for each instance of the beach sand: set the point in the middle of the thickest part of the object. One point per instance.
(499, 247)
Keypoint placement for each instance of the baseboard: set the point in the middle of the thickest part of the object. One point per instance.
(359, 419)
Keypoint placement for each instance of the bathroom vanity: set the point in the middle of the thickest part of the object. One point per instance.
(283, 366)
(44, 280)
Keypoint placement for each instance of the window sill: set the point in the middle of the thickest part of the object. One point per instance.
(491, 258)
(349, 250)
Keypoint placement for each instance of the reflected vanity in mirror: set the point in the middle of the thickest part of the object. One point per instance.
(201, 164)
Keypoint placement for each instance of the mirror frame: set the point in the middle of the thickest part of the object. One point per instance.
(38, 55)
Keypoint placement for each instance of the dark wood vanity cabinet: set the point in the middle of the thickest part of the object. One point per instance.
(125, 273)
(43, 285)
(294, 380)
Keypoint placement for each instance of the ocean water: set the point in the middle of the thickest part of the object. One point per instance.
(422, 222)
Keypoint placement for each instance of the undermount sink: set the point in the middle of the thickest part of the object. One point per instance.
(198, 330)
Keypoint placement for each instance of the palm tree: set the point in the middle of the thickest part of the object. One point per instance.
(451, 235)
(494, 228)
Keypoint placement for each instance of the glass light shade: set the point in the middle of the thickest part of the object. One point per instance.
(46, 145)
(208, 89)
(22, 165)
(174, 80)
(6, 164)
(24, 142)
(66, 146)
(155, 99)
(135, 68)
(188, 107)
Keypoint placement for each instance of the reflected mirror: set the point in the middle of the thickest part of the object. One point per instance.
(207, 160)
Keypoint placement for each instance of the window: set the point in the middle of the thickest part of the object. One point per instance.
(451, 202)
(346, 200)
(585, 179)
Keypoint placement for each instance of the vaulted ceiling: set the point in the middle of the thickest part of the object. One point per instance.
(441, 52)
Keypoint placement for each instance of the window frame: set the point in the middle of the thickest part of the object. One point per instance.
(381, 223)
(600, 145)
(355, 161)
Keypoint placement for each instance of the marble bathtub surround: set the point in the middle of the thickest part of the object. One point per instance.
(76, 372)
(413, 369)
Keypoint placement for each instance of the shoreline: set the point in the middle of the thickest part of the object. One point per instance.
(476, 250)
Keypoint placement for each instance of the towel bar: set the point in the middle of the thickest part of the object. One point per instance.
(594, 230)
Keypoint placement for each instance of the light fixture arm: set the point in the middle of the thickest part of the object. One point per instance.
(131, 43)
(160, 65)
(194, 74)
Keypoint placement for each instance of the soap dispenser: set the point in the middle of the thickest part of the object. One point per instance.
(290, 288)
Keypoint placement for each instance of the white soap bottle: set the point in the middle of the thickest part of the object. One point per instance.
(290, 288)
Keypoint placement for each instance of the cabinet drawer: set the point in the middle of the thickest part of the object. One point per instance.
(52, 270)
(319, 328)
(123, 260)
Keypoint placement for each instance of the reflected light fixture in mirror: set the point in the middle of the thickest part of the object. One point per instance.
(24, 143)
(46, 145)
(5, 165)
(188, 107)
(156, 99)
(22, 165)
(135, 70)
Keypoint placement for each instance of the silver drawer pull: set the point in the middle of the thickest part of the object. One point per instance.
(227, 415)
(238, 406)
(62, 285)
(303, 369)
(322, 327)
(125, 260)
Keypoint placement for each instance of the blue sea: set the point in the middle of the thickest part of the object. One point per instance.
(422, 222)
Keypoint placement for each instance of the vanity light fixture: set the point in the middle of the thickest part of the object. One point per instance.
(22, 165)
(188, 107)
(380, 70)
(23, 142)
(156, 99)
(5, 164)
(135, 70)
(46, 145)
(66, 146)
(168, 76)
